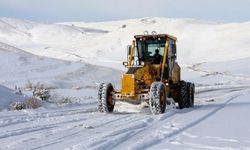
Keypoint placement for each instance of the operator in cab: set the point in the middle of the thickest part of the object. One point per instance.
(157, 57)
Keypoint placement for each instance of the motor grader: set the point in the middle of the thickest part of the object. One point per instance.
(153, 76)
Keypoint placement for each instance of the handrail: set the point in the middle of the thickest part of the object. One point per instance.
(131, 53)
(164, 59)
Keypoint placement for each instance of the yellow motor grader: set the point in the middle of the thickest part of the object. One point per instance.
(153, 76)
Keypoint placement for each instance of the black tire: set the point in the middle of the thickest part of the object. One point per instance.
(184, 96)
(106, 102)
(189, 95)
(157, 98)
(191, 91)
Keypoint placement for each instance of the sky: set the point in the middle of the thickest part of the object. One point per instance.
(109, 10)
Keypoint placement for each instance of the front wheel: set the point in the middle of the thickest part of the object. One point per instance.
(157, 98)
(106, 102)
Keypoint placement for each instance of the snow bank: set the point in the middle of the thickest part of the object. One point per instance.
(7, 96)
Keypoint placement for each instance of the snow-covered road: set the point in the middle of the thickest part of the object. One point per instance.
(214, 123)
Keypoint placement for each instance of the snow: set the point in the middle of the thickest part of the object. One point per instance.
(7, 97)
(72, 58)
(76, 41)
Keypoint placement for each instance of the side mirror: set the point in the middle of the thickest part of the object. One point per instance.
(128, 51)
(125, 63)
(173, 57)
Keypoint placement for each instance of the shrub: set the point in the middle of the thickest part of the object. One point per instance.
(41, 92)
(28, 86)
(18, 91)
(32, 103)
(17, 106)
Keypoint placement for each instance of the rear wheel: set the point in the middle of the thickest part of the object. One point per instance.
(189, 99)
(184, 96)
(157, 98)
(106, 102)
(191, 94)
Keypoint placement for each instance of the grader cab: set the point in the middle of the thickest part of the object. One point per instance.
(153, 76)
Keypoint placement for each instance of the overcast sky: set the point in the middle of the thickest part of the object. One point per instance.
(106, 10)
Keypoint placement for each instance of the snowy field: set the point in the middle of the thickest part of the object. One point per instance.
(72, 58)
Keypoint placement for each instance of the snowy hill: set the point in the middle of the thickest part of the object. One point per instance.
(19, 68)
(198, 41)
(70, 57)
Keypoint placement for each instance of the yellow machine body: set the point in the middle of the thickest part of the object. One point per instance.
(153, 76)
(136, 82)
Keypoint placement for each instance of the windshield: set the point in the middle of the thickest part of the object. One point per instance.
(150, 49)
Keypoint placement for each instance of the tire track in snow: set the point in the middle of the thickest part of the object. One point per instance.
(79, 136)
(47, 122)
(38, 118)
(195, 68)
(21, 131)
(29, 117)
(56, 130)
(218, 88)
(160, 135)
(147, 130)
(177, 131)
(117, 137)
(116, 121)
